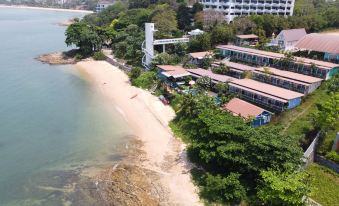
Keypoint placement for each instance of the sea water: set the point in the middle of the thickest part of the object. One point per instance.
(53, 124)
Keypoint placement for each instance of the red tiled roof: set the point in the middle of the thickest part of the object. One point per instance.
(238, 66)
(320, 42)
(175, 71)
(258, 92)
(290, 75)
(216, 77)
(267, 89)
(200, 55)
(320, 64)
(241, 108)
(247, 36)
(293, 34)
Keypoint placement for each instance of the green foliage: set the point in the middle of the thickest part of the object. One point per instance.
(220, 189)
(326, 184)
(333, 84)
(84, 37)
(204, 83)
(206, 62)
(135, 73)
(134, 16)
(284, 188)
(221, 69)
(328, 113)
(146, 80)
(221, 88)
(99, 56)
(184, 17)
(106, 16)
(222, 34)
(200, 43)
(165, 20)
(166, 59)
(127, 43)
(223, 144)
(334, 156)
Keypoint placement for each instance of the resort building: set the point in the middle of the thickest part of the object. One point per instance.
(310, 67)
(235, 69)
(287, 39)
(238, 107)
(173, 76)
(101, 5)
(325, 43)
(246, 40)
(285, 79)
(197, 57)
(268, 96)
(234, 8)
(216, 78)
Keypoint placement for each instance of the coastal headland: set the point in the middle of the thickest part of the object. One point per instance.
(157, 172)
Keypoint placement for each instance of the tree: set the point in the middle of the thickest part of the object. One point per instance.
(126, 44)
(133, 16)
(221, 69)
(328, 113)
(106, 16)
(222, 34)
(165, 59)
(135, 72)
(284, 188)
(212, 18)
(223, 189)
(221, 88)
(165, 19)
(200, 43)
(138, 3)
(244, 25)
(204, 83)
(184, 17)
(84, 37)
(206, 62)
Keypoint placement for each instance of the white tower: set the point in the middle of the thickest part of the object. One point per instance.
(148, 44)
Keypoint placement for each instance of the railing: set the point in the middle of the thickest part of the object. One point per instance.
(171, 41)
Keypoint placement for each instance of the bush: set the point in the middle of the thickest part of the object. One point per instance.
(145, 80)
(135, 72)
(334, 156)
(99, 56)
(78, 57)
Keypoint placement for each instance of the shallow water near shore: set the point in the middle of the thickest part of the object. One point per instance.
(53, 125)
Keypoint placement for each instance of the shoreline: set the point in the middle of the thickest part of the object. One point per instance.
(45, 8)
(161, 160)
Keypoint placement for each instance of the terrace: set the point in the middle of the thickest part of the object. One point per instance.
(267, 95)
(324, 70)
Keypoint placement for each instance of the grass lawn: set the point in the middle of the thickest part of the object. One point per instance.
(326, 185)
(298, 121)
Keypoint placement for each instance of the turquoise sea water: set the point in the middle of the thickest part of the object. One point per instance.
(53, 124)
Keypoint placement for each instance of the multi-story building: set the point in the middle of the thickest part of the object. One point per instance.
(234, 8)
(101, 5)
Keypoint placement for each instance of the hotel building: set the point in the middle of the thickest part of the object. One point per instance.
(310, 67)
(234, 8)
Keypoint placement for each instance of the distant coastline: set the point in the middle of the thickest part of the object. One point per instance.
(45, 8)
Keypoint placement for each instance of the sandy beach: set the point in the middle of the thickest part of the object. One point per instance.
(148, 119)
(42, 8)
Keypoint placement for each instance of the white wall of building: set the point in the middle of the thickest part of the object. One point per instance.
(234, 8)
